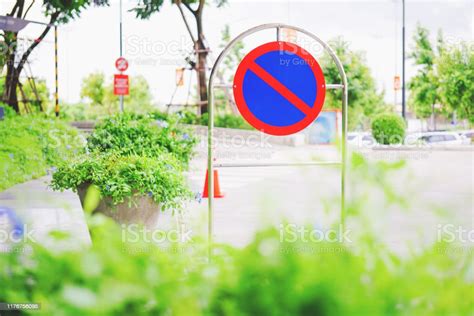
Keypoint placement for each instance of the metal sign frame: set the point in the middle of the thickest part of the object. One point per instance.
(210, 132)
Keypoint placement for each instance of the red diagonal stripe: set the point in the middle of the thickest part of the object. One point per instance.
(280, 88)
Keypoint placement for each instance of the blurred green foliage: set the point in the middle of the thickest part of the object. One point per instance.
(424, 85)
(99, 102)
(444, 81)
(388, 129)
(270, 276)
(456, 76)
(221, 120)
(275, 274)
(364, 99)
(35, 91)
(32, 144)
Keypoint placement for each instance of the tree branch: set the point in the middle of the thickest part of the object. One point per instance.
(178, 3)
(188, 7)
(29, 7)
(14, 9)
(21, 5)
(25, 56)
(200, 7)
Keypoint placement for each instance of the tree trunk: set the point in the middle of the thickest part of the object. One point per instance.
(202, 80)
(202, 61)
(201, 51)
(12, 80)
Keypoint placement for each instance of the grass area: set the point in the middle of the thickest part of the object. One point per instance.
(31, 145)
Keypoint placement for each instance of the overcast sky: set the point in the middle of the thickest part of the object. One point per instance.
(155, 47)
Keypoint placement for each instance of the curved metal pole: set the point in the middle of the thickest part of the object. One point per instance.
(210, 159)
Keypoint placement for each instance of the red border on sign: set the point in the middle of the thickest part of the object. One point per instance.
(239, 95)
(117, 63)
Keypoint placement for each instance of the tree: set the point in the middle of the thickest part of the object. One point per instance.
(93, 88)
(98, 94)
(455, 68)
(38, 91)
(146, 8)
(223, 97)
(234, 57)
(423, 87)
(57, 11)
(34, 91)
(138, 101)
(364, 100)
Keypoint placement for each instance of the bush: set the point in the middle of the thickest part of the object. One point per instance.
(223, 120)
(121, 177)
(129, 134)
(31, 144)
(231, 121)
(188, 117)
(388, 129)
(9, 111)
(268, 277)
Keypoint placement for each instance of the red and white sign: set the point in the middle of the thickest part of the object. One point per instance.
(121, 64)
(121, 85)
(279, 88)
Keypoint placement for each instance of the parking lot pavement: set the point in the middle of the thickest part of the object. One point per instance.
(438, 185)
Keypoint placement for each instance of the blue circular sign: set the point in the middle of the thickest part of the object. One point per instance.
(279, 88)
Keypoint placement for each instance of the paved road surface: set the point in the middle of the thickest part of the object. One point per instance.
(439, 185)
(43, 211)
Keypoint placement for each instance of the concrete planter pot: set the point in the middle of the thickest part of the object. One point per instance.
(143, 211)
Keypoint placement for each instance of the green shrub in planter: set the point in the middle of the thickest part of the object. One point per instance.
(128, 134)
(388, 129)
(123, 177)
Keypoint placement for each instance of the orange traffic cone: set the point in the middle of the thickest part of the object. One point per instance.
(217, 189)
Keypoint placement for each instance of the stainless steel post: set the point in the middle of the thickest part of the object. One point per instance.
(121, 49)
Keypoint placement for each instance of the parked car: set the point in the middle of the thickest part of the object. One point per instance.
(468, 136)
(435, 138)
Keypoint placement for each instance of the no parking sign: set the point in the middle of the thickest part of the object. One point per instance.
(279, 88)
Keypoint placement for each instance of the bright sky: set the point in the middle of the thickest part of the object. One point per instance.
(155, 47)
